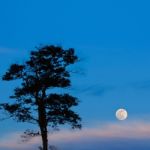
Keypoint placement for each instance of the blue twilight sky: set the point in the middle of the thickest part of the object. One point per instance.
(111, 37)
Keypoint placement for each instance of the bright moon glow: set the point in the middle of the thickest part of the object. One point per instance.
(121, 114)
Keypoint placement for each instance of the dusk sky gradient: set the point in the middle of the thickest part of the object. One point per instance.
(112, 39)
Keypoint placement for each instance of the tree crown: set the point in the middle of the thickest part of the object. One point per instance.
(45, 69)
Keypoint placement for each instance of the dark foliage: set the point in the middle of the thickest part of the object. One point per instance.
(34, 102)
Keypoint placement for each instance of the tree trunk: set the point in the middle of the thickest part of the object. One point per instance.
(44, 138)
(43, 126)
(43, 121)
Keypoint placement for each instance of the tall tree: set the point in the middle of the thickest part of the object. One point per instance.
(34, 102)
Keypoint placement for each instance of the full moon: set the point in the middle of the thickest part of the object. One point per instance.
(121, 114)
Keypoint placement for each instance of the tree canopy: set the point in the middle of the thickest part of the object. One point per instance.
(47, 68)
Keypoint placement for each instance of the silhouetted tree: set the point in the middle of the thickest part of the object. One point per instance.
(34, 101)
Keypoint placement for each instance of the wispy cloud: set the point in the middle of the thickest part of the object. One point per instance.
(122, 130)
(141, 85)
(4, 50)
(107, 136)
(12, 51)
(93, 90)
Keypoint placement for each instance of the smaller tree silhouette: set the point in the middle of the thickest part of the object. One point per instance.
(34, 100)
